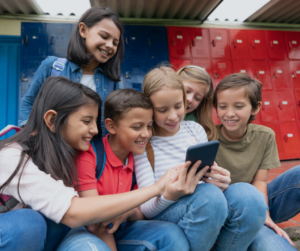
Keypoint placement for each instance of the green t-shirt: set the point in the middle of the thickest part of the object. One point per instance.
(191, 116)
(256, 150)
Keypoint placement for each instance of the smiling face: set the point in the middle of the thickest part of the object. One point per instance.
(101, 40)
(81, 126)
(195, 92)
(234, 110)
(133, 131)
(169, 111)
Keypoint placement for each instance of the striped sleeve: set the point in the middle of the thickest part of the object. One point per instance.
(201, 135)
(145, 177)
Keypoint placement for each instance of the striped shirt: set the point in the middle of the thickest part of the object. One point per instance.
(168, 152)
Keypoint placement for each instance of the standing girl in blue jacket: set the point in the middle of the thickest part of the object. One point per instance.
(94, 55)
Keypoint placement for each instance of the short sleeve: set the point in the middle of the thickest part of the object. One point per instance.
(270, 159)
(86, 170)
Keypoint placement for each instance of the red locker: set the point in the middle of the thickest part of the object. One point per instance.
(179, 43)
(285, 106)
(203, 63)
(239, 44)
(219, 43)
(220, 69)
(275, 128)
(280, 75)
(276, 44)
(199, 40)
(293, 44)
(261, 71)
(178, 63)
(289, 137)
(268, 109)
(297, 99)
(242, 66)
(258, 44)
(295, 73)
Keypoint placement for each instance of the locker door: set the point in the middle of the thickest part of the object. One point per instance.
(261, 72)
(295, 73)
(239, 44)
(177, 63)
(134, 41)
(179, 43)
(242, 66)
(289, 137)
(220, 69)
(297, 99)
(268, 109)
(293, 44)
(219, 43)
(203, 63)
(275, 128)
(157, 43)
(258, 44)
(34, 40)
(199, 39)
(134, 73)
(285, 106)
(58, 38)
(280, 75)
(276, 44)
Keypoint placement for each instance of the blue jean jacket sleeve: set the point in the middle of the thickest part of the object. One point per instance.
(40, 76)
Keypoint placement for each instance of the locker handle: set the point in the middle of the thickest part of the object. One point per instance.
(26, 40)
(193, 43)
(293, 75)
(280, 106)
(126, 40)
(286, 139)
(52, 40)
(234, 43)
(128, 74)
(213, 43)
(23, 79)
(253, 44)
(257, 75)
(174, 41)
(299, 102)
(216, 74)
(271, 44)
(290, 44)
(275, 75)
(149, 41)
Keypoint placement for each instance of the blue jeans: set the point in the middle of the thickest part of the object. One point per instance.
(131, 236)
(231, 219)
(22, 229)
(284, 204)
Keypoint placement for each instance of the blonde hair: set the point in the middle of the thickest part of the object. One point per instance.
(160, 77)
(204, 109)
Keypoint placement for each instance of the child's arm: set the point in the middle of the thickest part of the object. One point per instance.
(260, 182)
(98, 229)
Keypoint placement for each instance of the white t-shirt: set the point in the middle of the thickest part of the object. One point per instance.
(168, 152)
(88, 80)
(37, 189)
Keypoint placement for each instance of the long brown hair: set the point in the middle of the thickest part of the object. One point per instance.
(204, 109)
(49, 151)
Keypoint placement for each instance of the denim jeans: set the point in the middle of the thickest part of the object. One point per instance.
(22, 229)
(284, 204)
(131, 236)
(231, 220)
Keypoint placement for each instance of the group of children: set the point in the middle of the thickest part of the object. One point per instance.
(51, 164)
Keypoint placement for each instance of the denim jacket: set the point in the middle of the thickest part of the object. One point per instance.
(72, 71)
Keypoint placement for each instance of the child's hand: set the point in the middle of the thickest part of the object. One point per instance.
(270, 223)
(218, 176)
(116, 222)
(185, 183)
(172, 174)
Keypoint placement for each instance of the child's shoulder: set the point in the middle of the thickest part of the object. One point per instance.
(191, 124)
(260, 129)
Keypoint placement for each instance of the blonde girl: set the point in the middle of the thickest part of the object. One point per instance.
(187, 204)
(199, 92)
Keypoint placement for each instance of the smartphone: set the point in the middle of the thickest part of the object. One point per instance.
(206, 152)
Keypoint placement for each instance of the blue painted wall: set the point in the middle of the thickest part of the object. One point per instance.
(9, 81)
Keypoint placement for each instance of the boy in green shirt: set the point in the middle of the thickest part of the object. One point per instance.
(248, 151)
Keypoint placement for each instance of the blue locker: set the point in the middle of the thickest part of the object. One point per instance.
(134, 72)
(58, 39)
(9, 83)
(134, 41)
(34, 40)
